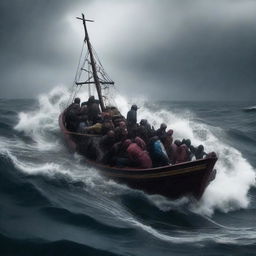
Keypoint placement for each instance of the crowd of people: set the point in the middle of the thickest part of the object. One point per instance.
(124, 142)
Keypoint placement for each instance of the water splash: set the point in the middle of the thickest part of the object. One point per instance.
(229, 191)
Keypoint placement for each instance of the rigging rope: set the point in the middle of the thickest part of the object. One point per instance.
(73, 93)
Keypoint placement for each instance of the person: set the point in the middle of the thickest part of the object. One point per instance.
(141, 131)
(121, 132)
(199, 152)
(71, 115)
(144, 130)
(132, 121)
(177, 143)
(138, 157)
(132, 116)
(144, 123)
(173, 155)
(161, 132)
(93, 109)
(106, 143)
(140, 142)
(191, 149)
(169, 134)
(107, 124)
(75, 104)
(167, 142)
(157, 152)
(83, 118)
(182, 153)
(118, 155)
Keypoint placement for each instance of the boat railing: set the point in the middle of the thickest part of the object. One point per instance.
(82, 134)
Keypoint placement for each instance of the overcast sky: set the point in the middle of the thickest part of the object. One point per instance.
(162, 49)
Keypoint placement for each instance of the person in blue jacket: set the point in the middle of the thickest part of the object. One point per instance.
(157, 152)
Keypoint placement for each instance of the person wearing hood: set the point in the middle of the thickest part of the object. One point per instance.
(144, 130)
(168, 145)
(158, 153)
(161, 132)
(72, 115)
(106, 143)
(139, 158)
(199, 152)
(182, 153)
(132, 120)
(93, 109)
(132, 116)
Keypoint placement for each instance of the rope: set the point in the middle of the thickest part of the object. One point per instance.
(72, 95)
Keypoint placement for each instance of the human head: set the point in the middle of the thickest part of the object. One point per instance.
(177, 142)
(183, 141)
(124, 132)
(77, 100)
(126, 143)
(122, 124)
(111, 133)
(134, 107)
(91, 99)
(188, 142)
(170, 132)
(106, 116)
(200, 148)
(143, 121)
(163, 126)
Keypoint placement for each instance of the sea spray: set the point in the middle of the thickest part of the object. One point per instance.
(234, 177)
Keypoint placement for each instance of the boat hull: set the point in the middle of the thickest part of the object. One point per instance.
(173, 181)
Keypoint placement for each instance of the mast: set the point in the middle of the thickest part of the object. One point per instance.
(93, 64)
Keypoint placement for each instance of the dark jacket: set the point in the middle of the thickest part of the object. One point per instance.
(132, 117)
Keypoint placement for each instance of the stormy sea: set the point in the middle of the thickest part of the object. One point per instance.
(51, 203)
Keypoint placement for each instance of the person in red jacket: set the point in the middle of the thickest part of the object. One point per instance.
(139, 157)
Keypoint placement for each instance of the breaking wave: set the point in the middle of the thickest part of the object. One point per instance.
(229, 191)
(38, 149)
(250, 109)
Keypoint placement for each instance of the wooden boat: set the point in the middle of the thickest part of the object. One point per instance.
(173, 181)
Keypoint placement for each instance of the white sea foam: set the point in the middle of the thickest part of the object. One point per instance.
(229, 191)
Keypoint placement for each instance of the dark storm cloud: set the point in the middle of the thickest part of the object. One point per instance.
(175, 49)
(33, 55)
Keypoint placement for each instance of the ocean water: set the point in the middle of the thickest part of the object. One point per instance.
(51, 203)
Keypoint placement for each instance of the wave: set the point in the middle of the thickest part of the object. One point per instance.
(46, 153)
(26, 247)
(250, 109)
